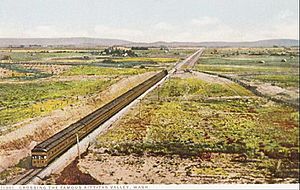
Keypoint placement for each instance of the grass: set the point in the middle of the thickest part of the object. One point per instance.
(156, 52)
(23, 73)
(247, 64)
(94, 70)
(17, 114)
(280, 80)
(22, 101)
(6, 174)
(251, 126)
(234, 69)
(151, 55)
(34, 56)
(189, 128)
(190, 86)
(147, 59)
(266, 132)
(125, 64)
(270, 61)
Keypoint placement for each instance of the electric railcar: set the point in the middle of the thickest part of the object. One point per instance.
(46, 151)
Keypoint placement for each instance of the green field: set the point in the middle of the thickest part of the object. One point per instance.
(276, 65)
(104, 71)
(157, 52)
(93, 55)
(280, 80)
(23, 73)
(40, 55)
(147, 59)
(190, 86)
(22, 101)
(241, 125)
(186, 127)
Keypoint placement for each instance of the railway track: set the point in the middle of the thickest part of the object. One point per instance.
(44, 149)
(189, 62)
(26, 178)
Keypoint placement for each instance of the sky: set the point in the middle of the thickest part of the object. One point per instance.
(151, 20)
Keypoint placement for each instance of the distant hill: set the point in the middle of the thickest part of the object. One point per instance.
(81, 42)
(91, 42)
(260, 43)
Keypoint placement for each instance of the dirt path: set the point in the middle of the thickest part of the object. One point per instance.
(17, 144)
(272, 90)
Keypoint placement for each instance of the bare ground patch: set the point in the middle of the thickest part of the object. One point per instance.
(207, 168)
(6, 73)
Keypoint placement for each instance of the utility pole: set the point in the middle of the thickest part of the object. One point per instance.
(140, 108)
(77, 138)
(158, 89)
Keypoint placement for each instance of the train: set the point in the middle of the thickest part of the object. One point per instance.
(47, 151)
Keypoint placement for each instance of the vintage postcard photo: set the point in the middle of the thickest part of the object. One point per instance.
(152, 94)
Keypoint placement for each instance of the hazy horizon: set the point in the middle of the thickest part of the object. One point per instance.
(151, 20)
(148, 41)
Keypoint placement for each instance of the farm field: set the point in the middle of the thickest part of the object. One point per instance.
(30, 64)
(23, 101)
(23, 98)
(198, 128)
(273, 71)
(85, 56)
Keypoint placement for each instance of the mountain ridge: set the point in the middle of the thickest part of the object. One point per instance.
(92, 42)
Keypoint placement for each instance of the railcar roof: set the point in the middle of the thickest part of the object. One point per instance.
(58, 135)
(37, 149)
